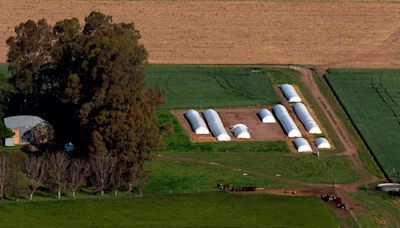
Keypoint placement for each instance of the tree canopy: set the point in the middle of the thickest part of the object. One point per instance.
(89, 83)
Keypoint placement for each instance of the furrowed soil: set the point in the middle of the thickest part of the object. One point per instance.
(336, 34)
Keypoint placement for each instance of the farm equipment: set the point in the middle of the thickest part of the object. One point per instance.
(228, 187)
(337, 201)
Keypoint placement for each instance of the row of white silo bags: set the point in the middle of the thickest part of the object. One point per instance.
(303, 146)
(306, 118)
(216, 125)
(196, 122)
(290, 93)
(286, 121)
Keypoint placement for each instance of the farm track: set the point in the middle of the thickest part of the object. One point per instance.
(350, 149)
(345, 34)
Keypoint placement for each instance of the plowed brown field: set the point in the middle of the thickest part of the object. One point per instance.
(330, 34)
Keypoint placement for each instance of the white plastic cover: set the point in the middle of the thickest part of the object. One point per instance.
(216, 126)
(286, 121)
(302, 145)
(322, 143)
(290, 93)
(196, 122)
(241, 131)
(307, 120)
(266, 116)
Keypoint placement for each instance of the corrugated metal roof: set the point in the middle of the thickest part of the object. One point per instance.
(23, 121)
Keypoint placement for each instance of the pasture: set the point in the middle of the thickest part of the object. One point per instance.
(211, 86)
(178, 210)
(372, 100)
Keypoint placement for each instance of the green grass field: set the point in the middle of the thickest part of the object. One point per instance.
(211, 86)
(372, 99)
(178, 210)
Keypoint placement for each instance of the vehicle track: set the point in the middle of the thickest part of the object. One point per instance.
(349, 147)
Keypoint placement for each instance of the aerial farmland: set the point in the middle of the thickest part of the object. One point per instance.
(200, 113)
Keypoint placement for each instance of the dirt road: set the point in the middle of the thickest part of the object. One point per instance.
(350, 149)
(239, 32)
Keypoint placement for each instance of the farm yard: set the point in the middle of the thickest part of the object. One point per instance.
(191, 168)
(206, 156)
(372, 100)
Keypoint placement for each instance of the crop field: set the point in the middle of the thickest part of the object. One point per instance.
(201, 86)
(179, 210)
(372, 99)
(333, 33)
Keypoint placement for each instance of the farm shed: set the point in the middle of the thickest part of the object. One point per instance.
(286, 121)
(322, 143)
(241, 131)
(216, 126)
(307, 120)
(266, 116)
(196, 122)
(302, 145)
(21, 125)
(290, 93)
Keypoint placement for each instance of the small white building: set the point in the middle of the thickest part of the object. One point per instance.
(286, 121)
(290, 93)
(216, 125)
(21, 126)
(240, 131)
(302, 145)
(306, 118)
(196, 122)
(322, 143)
(266, 116)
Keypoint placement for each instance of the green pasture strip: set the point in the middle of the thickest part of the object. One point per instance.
(188, 86)
(179, 210)
(307, 168)
(169, 176)
(372, 100)
(178, 141)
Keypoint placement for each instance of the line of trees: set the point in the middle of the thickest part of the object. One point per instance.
(22, 176)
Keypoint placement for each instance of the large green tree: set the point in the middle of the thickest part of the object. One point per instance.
(89, 82)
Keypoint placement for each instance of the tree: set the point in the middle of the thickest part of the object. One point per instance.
(35, 171)
(94, 80)
(57, 170)
(41, 133)
(16, 183)
(77, 174)
(101, 165)
(117, 175)
(3, 175)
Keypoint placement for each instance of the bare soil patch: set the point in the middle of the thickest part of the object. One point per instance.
(239, 32)
(259, 131)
